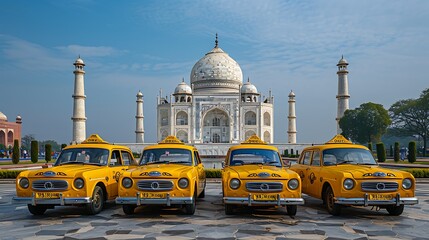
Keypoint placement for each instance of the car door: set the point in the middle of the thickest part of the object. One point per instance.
(313, 175)
(115, 170)
(301, 168)
(201, 172)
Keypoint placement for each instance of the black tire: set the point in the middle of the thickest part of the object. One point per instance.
(37, 210)
(331, 206)
(203, 193)
(229, 209)
(190, 208)
(97, 201)
(395, 210)
(291, 210)
(128, 209)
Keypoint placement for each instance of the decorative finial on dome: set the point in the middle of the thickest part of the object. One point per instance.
(248, 79)
(216, 42)
(342, 56)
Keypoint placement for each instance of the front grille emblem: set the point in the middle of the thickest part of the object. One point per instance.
(154, 185)
(264, 187)
(48, 185)
(380, 186)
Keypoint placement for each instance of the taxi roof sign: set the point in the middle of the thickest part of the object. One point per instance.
(339, 139)
(171, 140)
(254, 139)
(94, 138)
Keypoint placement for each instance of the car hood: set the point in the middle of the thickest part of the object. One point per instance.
(65, 171)
(261, 172)
(160, 170)
(370, 172)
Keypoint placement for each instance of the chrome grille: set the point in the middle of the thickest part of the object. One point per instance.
(264, 186)
(49, 185)
(155, 185)
(379, 186)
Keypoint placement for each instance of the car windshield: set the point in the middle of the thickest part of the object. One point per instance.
(337, 156)
(166, 155)
(254, 156)
(95, 156)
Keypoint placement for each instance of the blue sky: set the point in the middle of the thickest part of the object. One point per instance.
(147, 45)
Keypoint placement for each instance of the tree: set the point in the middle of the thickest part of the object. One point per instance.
(367, 123)
(396, 152)
(370, 146)
(48, 152)
(26, 141)
(411, 117)
(63, 146)
(381, 152)
(15, 152)
(412, 151)
(34, 151)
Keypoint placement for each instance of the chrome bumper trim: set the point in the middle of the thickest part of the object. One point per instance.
(249, 201)
(364, 201)
(56, 201)
(168, 201)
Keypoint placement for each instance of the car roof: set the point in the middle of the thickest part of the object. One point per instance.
(339, 141)
(171, 142)
(253, 142)
(95, 141)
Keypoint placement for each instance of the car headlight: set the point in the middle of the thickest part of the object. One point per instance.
(127, 182)
(78, 183)
(293, 184)
(348, 184)
(24, 183)
(234, 183)
(183, 183)
(407, 183)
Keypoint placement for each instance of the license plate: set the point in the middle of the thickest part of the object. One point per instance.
(153, 195)
(265, 197)
(47, 195)
(380, 196)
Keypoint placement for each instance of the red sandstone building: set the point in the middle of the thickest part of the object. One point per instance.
(9, 131)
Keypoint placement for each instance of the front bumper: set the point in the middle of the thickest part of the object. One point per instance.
(55, 201)
(249, 201)
(364, 201)
(168, 201)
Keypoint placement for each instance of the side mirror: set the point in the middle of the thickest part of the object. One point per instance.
(113, 161)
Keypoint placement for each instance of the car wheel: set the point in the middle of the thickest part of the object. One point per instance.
(395, 210)
(333, 208)
(37, 210)
(229, 209)
(97, 201)
(128, 209)
(190, 208)
(203, 193)
(291, 210)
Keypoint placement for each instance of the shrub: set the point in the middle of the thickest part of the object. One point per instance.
(418, 172)
(370, 146)
(15, 152)
(34, 151)
(213, 173)
(391, 151)
(396, 152)
(412, 152)
(63, 146)
(11, 174)
(48, 152)
(286, 153)
(381, 152)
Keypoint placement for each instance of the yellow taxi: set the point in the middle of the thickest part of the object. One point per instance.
(344, 174)
(254, 175)
(83, 174)
(170, 174)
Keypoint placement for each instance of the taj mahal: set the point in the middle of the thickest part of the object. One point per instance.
(215, 110)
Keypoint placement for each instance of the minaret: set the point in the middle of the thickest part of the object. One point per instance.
(79, 119)
(139, 119)
(343, 91)
(291, 119)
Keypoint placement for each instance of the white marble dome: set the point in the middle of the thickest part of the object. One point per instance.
(216, 72)
(79, 61)
(183, 88)
(3, 117)
(342, 61)
(249, 88)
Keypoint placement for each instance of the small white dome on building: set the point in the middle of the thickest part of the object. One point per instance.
(79, 61)
(183, 88)
(248, 88)
(3, 117)
(342, 61)
(291, 94)
(139, 94)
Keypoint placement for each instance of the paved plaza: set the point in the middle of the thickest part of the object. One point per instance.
(210, 222)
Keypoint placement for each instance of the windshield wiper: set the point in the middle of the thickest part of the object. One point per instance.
(252, 163)
(149, 163)
(180, 162)
(367, 163)
(345, 162)
(70, 163)
(272, 162)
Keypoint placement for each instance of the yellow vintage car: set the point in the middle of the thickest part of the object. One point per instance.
(170, 174)
(344, 174)
(84, 174)
(254, 175)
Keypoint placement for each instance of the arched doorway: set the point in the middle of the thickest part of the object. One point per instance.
(2, 138)
(216, 127)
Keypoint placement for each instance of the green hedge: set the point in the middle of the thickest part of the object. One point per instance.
(418, 173)
(9, 173)
(213, 173)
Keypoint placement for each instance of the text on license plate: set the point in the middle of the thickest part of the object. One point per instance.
(265, 197)
(380, 196)
(153, 195)
(47, 195)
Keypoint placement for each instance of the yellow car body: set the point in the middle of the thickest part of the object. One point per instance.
(254, 175)
(84, 174)
(343, 174)
(170, 174)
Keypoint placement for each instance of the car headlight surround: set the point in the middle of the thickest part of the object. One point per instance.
(234, 183)
(24, 183)
(78, 183)
(183, 183)
(127, 182)
(348, 184)
(407, 183)
(293, 184)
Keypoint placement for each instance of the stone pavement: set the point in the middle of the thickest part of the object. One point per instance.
(209, 222)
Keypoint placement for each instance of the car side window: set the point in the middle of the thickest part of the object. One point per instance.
(316, 159)
(115, 159)
(197, 158)
(126, 158)
(307, 158)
